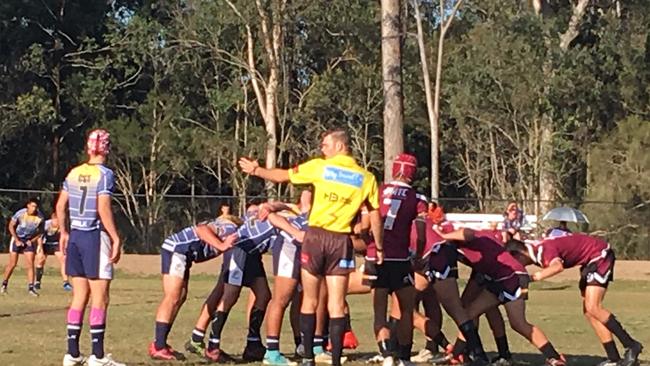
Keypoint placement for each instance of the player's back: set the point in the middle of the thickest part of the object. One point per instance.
(489, 257)
(432, 239)
(255, 236)
(84, 184)
(51, 234)
(399, 205)
(574, 248)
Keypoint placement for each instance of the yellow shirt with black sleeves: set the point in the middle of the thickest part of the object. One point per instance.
(341, 186)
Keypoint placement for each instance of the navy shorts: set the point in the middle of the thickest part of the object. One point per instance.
(240, 268)
(599, 272)
(13, 248)
(175, 264)
(50, 249)
(393, 275)
(442, 263)
(88, 255)
(507, 289)
(286, 259)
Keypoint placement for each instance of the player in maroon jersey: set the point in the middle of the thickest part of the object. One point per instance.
(504, 281)
(596, 260)
(399, 206)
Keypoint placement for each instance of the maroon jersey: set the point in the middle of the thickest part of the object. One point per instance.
(432, 238)
(572, 249)
(488, 257)
(399, 205)
(492, 234)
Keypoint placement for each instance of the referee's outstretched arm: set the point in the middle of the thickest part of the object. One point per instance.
(252, 167)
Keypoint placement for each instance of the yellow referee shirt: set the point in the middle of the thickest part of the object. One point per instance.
(341, 186)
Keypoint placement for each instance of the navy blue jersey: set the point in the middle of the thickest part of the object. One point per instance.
(255, 236)
(188, 242)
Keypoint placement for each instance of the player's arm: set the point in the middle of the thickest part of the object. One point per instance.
(61, 205)
(268, 207)
(252, 167)
(12, 231)
(207, 235)
(421, 240)
(105, 212)
(456, 235)
(555, 266)
(284, 225)
(377, 229)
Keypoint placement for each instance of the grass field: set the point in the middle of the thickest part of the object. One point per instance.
(32, 330)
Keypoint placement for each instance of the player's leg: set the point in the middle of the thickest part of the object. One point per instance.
(196, 343)
(9, 269)
(255, 350)
(99, 299)
(80, 296)
(294, 315)
(406, 303)
(283, 292)
(28, 257)
(429, 323)
(380, 326)
(311, 288)
(61, 258)
(321, 332)
(39, 261)
(593, 303)
(336, 289)
(174, 288)
(498, 327)
(606, 338)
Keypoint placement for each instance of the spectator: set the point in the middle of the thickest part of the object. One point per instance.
(560, 230)
(513, 220)
(435, 213)
(224, 210)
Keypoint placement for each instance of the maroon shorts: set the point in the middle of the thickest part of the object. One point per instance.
(327, 253)
(442, 263)
(597, 273)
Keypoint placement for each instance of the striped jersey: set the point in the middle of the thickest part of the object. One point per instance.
(299, 222)
(255, 236)
(188, 242)
(27, 226)
(84, 184)
(51, 234)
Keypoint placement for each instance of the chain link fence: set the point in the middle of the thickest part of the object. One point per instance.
(144, 222)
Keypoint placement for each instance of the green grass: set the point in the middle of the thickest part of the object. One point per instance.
(33, 329)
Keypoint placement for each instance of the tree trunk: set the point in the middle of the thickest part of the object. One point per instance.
(391, 56)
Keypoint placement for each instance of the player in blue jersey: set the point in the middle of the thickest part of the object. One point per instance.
(51, 246)
(25, 227)
(242, 268)
(194, 244)
(92, 245)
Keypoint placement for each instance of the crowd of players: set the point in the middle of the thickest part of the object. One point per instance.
(410, 259)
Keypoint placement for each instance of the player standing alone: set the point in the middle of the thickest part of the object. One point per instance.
(92, 246)
(341, 186)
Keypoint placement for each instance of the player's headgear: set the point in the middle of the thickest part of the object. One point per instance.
(99, 142)
(404, 166)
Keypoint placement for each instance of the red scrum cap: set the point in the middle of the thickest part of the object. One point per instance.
(99, 142)
(404, 166)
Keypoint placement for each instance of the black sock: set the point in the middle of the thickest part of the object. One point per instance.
(337, 328)
(254, 324)
(392, 327)
(404, 351)
(74, 330)
(474, 345)
(5, 283)
(385, 348)
(162, 329)
(39, 274)
(616, 328)
(459, 347)
(30, 287)
(502, 347)
(612, 351)
(297, 340)
(348, 323)
(431, 346)
(326, 337)
(307, 329)
(318, 341)
(441, 340)
(97, 338)
(218, 323)
(272, 343)
(198, 335)
(549, 351)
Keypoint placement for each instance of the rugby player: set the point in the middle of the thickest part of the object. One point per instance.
(92, 246)
(399, 206)
(341, 186)
(51, 246)
(596, 260)
(194, 244)
(503, 280)
(25, 227)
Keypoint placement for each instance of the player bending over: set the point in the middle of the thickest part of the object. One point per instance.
(92, 246)
(51, 246)
(194, 244)
(596, 260)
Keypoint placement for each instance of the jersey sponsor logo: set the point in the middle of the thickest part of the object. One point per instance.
(338, 175)
(334, 197)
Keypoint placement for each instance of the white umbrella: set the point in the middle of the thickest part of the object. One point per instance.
(567, 214)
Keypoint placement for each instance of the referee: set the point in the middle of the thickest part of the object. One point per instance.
(341, 187)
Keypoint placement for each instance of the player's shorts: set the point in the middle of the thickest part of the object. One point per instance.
(442, 263)
(597, 273)
(286, 260)
(13, 248)
(394, 275)
(508, 289)
(50, 249)
(88, 254)
(175, 264)
(240, 268)
(327, 253)
(369, 272)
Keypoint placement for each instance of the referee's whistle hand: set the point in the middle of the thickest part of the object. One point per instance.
(248, 166)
